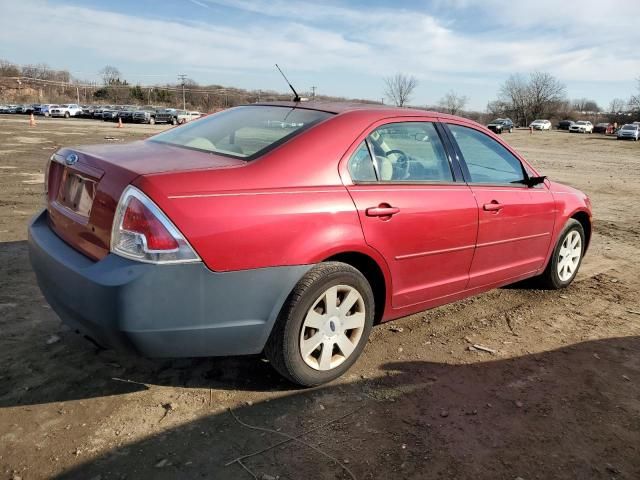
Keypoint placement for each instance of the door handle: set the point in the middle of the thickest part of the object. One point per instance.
(494, 206)
(382, 210)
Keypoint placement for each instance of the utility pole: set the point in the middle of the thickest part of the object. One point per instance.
(313, 91)
(182, 77)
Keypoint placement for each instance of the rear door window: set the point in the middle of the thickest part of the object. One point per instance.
(404, 152)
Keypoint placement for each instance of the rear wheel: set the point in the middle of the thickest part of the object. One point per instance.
(566, 257)
(67, 114)
(152, 121)
(323, 326)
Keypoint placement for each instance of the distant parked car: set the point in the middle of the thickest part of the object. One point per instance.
(146, 114)
(564, 124)
(601, 127)
(500, 125)
(12, 108)
(169, 115)
(44, 109)
(66, 110)
(541, 125)
(582, 126)
(630, 131)
(111, 114)
(126, 114)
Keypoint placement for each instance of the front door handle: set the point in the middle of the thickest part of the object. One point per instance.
(382, 210)
(494, 206)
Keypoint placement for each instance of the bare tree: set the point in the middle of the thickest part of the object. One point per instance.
(545, 92)
(542, 95)
(399, 88)
(585, 105)
(110, 75)
(453, 103)
(617, 105)
(8, 69)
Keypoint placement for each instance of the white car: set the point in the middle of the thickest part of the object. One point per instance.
(582, 126)
(66, 110)
(541, 125)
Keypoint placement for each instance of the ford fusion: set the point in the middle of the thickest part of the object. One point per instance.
(290, 229)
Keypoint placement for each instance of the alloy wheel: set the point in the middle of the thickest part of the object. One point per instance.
(569, 256)
(332, 327)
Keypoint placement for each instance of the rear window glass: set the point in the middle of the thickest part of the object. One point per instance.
(243, 132)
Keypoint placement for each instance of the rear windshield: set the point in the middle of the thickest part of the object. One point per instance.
(243, 132)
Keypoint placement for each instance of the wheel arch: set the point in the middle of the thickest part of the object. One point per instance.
(585, 221)
(372, 272)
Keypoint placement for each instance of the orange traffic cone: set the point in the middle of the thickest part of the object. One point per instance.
(32, 121)
(119, 123)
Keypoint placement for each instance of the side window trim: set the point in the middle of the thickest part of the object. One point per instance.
(454, 161)
(465, 168)
(374, 160)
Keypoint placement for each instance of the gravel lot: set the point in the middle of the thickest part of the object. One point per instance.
(559, 398)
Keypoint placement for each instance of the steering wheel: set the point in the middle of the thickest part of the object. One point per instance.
(403, 156)
(401, 165)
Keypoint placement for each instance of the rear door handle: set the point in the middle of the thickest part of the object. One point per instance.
(382, 211)
(494, 206)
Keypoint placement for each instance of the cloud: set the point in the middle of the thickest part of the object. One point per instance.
(470, 42)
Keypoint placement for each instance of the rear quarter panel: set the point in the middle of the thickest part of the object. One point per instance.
(288, 207)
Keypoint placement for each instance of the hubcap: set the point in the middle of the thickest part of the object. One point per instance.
(569, 256)
(332, 327)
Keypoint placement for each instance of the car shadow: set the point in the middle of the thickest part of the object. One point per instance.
(43, 361)
(566, 413)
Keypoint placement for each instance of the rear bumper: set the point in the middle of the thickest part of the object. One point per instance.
(159, 310)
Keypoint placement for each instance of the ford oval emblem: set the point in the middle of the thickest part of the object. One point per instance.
(71, 159)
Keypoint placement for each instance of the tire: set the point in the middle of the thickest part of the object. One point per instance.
(174, 121)
(511, 130)
(67, 114)
(551, 278)
(152, 121)
(307, 304)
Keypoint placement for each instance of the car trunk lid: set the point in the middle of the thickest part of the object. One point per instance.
(84, 185)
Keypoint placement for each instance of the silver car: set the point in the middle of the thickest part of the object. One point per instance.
(630, 131)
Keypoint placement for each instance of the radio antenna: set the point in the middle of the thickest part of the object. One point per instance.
(296, 97)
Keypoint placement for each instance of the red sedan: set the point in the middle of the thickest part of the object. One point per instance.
(291, 229)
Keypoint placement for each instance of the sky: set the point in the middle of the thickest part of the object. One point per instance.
(344, 48)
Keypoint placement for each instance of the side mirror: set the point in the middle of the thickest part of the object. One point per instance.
(533, 181)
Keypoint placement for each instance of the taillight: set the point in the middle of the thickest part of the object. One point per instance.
(141, 231)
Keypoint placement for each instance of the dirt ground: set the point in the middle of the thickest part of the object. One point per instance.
(559, 398)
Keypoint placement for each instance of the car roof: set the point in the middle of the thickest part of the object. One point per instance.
(345, 107)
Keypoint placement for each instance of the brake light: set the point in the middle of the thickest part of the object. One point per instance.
(138, 219)
(141, 231)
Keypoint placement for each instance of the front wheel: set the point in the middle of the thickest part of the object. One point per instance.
(566, 257)
(323, 326)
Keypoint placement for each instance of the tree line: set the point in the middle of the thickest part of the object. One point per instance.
(521, 98)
